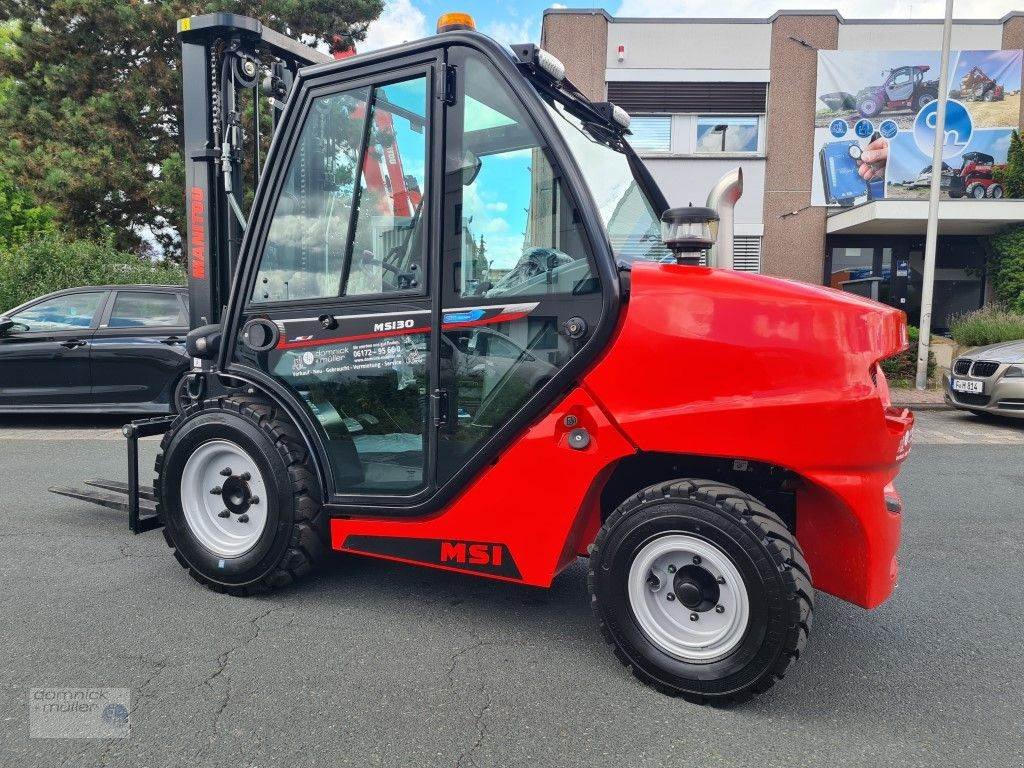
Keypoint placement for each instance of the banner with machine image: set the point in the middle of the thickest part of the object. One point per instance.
(874, 124)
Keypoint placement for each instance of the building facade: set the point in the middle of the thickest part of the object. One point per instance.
(708, 95)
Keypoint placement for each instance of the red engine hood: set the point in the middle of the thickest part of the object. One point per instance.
(721, 364)
(695, 340)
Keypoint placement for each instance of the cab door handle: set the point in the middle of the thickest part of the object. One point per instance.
(172, 340)
(73, 343)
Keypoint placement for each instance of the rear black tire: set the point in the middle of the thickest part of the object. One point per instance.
(294, 539)
(764, 551)
(180, 399)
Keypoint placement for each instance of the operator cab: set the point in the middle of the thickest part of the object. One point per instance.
(433, 259)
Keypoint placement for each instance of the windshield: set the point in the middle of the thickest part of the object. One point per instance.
(633, 224)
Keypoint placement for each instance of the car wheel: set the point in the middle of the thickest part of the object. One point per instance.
(995, 191)
(702, 591)
(977, 191)
(870, 107)
(924, 100)
(238, 496)
(180, 397)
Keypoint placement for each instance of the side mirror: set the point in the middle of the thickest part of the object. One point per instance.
(467, 168)
(5, 325)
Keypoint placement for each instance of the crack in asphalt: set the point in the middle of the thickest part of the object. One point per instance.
(221, 674)
(479, 721)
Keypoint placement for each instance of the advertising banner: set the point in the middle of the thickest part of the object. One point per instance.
(874, 124)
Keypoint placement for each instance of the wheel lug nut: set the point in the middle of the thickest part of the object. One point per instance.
(671, 596)
(226, 472)
(720, 579)
(671, 569)
(246, 477)
(694, 617)
(719, 609)
(243, 518)
(223, 513)
(217, 491)
(697, 560)
(254, 499)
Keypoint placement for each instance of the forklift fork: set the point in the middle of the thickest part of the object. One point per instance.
(139, 501)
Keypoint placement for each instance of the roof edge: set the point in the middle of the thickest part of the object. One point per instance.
(764, 20)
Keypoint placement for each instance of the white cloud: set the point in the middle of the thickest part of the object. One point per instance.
(851, 9)
(399, 22)
(499, 206)
(514, 31)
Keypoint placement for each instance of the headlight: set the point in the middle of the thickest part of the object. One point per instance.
(1014, 372)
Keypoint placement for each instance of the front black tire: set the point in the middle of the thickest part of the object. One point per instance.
(293, 539)
(765, 553)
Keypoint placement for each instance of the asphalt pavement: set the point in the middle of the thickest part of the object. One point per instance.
(371, 663)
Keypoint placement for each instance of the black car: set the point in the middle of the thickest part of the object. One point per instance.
(107, 348)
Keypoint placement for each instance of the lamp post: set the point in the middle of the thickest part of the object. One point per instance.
(931, 236)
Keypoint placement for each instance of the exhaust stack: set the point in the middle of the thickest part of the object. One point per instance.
(722, 198)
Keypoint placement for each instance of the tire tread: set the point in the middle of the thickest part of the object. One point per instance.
(777, 539)
(307, 546)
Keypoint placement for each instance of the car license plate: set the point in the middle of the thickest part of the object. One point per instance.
(971, 387)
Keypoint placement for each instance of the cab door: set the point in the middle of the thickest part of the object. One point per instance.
(519, 283)
(342, 278)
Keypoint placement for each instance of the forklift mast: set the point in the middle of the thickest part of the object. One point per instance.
(222, 56)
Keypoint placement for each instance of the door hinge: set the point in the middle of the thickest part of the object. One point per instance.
(439, 405)
(449, 85)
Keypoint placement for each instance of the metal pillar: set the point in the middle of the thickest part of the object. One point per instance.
(931, 237)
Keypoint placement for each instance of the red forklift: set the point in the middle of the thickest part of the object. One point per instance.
(518, 366)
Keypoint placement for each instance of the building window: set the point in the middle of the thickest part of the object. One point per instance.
(651, 133)
(727, 133)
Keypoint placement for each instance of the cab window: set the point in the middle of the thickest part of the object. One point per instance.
(346, 222)
(511, 229)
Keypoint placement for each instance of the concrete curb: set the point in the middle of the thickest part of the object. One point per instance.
(924, 406)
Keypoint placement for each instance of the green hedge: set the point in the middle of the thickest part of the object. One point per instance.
(987, 326)
(1006, 267)
(50, 262)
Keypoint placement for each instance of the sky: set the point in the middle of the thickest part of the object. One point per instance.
(518, 21)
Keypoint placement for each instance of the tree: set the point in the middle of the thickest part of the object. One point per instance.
(1011, 176)
(20, 218)
(92, 112)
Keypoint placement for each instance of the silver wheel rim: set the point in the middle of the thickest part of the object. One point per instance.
(668, 622)
(207, 468)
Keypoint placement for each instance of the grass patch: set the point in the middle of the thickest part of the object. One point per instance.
(989, 325)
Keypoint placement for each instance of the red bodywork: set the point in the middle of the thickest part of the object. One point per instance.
(706, 363)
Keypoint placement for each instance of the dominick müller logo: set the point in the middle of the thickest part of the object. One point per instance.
(79, 713)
